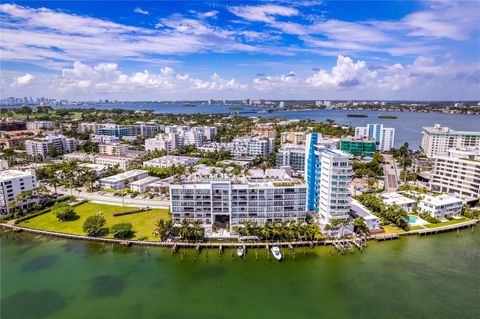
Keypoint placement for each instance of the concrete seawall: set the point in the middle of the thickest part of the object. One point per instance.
(173, 244)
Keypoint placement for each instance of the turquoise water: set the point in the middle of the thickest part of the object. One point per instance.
(412, 219)
(415, 277)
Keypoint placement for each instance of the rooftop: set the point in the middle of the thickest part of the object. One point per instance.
(12, 174)
(443, 199)
(438, 129)
(396, 198)
(146, 180)
(169, 160)
(122, 176)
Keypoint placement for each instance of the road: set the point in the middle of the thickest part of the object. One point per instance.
(391, 176)
(112, 200)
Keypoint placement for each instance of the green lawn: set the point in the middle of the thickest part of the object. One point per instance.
(391, 230)
(416, 227)
(143, 223)
(450, 222)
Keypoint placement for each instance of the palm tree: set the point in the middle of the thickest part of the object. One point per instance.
(51, 176)
(224, 171)
(162, 228)
(185, 230)
(68, 172)
(197, 230)
(90, 176)
(191, 169)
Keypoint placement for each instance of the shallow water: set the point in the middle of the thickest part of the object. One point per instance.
(427, 277)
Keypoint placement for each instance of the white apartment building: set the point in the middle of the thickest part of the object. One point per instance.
(335, 176)
(292, 155)
(437, 140)
(41, 147)
(261, 197)
(99, 169)
(384, 136)
(38, 125)
(252, 146)
(122, 180)
(162, 142)
(104, 139)
(143, 184)
(122, 162)
(116, 149)
(457, 172)
(440, 206)
(89, 127)
(293, 138)
(359, 210)
(398, 199)
(216, 147)
(170, 160)
(83, 157)
(12, 183)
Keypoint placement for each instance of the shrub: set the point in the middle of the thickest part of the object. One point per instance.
(122, 230)
(65, 213)
(94, 225)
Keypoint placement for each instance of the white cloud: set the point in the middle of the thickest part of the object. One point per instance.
(208, 14)
(141, 11)
(30, 34)
(285, 81)
(344, 74)
(107, 78)
(23, 80)
(264, 13)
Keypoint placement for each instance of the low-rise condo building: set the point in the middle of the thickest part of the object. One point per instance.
(358, 210)
(122, 180)
(441, 205)
(114, 149)
(252, 146)
(437, 140)
(12, 183)
(39, 125)
(265, 131)
(292, 155)
(458, 172)
(293, 138)
(143, 184)
(169, 160)
(400, 200)
(50, 146)
(260, 196)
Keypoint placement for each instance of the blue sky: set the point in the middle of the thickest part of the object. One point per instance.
(308, 49)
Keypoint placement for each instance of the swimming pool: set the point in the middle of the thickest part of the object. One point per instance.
(412, 219)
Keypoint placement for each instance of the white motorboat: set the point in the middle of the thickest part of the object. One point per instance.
(240, 251)
(277, 254)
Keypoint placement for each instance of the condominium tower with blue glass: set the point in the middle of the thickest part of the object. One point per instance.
(327, 174)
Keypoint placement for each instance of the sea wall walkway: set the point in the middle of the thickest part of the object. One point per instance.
(221, 245)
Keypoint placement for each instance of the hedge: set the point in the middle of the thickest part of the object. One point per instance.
(40, 212)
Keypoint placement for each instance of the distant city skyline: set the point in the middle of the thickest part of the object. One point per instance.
(281, 50)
